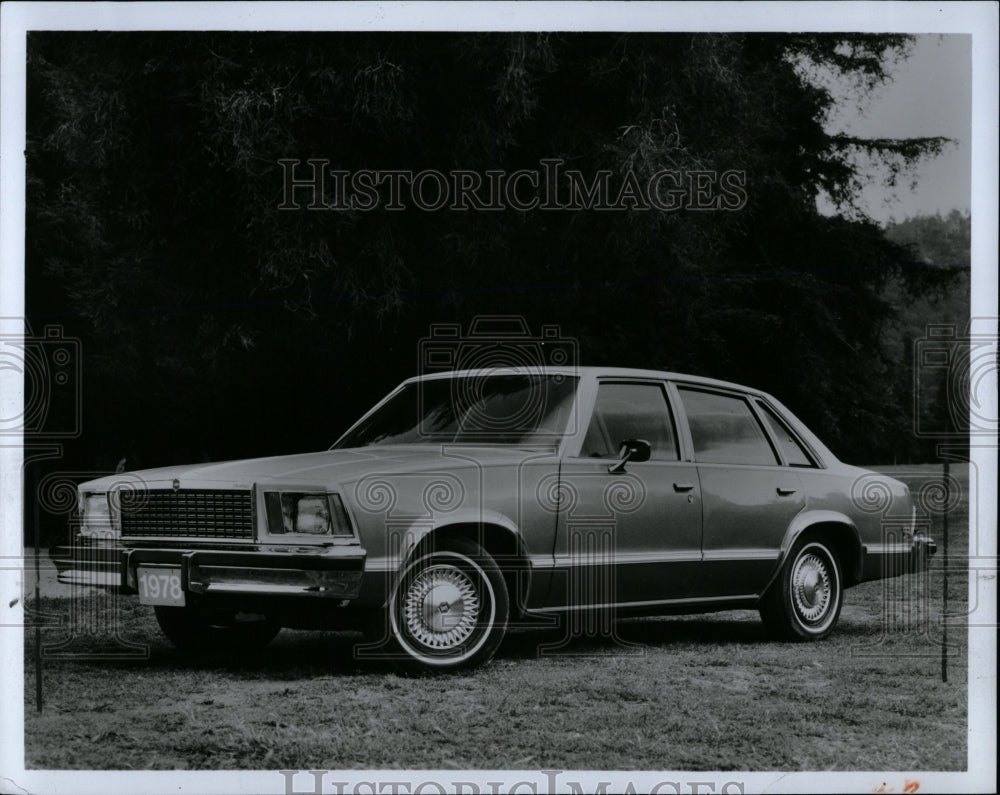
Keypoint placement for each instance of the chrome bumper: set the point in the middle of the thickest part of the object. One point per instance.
(96, 565)
(892, 560)
(330, 572)
(923, 548)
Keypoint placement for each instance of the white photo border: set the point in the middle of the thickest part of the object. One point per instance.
(978, 19)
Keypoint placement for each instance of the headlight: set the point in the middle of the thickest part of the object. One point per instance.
(308, 513)
(95, 515)
(305, 513)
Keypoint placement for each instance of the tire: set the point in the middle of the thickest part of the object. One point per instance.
(197, 630)
(804, 602)
(449, 609)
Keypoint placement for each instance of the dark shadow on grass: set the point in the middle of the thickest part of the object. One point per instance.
(632, 636)
(291, 656)
(303, 654)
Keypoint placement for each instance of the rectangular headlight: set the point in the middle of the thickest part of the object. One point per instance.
(310, 513)
(305, 513)
(95, 515)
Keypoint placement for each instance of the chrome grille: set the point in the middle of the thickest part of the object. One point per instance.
(192, 513)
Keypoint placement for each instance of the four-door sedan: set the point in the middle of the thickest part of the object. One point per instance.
(468, 500)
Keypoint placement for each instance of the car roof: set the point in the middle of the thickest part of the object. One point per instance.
(599, 372)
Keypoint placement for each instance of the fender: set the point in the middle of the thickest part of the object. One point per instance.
(417, 532)
(807, 519)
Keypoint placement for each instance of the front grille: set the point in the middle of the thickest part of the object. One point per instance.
(192, 513)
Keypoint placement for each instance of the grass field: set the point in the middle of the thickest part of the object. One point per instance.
(700, 692)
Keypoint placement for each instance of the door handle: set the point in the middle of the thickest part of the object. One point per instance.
(683, 486)
(785, 492)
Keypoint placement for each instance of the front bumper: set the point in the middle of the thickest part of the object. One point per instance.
(329, 572)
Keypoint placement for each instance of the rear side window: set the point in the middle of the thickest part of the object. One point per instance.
(630, 411)
(724, 429)
(794, 453)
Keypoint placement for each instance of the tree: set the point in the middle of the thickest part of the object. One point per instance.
(941, 241)
(940, 250)
(215, 325)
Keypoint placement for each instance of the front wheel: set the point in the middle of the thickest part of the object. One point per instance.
(804, 602)
(198, 630)
(449, 609)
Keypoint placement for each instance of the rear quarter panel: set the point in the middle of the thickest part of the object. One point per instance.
(875, 508)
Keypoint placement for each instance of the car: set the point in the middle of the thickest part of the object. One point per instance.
(470, 501)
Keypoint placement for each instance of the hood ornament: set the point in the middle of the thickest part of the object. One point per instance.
(177, 484)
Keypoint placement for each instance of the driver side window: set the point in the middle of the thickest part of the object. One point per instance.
(630, 411)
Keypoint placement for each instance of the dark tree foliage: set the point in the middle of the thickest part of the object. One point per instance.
(940, 252)
(215, 325)
(941, 241)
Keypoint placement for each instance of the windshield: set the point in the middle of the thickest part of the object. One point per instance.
(493, 409)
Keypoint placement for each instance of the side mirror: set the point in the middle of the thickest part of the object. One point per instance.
(636, 450)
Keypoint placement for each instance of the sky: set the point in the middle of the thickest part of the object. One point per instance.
(930, 95)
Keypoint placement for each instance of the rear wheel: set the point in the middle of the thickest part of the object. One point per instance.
(804, 602)
(449, 609)
(196, 629)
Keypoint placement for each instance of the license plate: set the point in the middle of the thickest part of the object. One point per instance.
(160, 586)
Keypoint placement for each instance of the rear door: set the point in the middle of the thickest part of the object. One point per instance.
(750, 495)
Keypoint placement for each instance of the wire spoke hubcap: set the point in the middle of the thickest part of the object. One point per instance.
(812, 591)
(441, 607)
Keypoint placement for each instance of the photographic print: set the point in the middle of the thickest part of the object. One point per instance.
(499, 398)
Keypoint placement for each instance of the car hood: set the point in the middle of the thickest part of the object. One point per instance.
(321, 469)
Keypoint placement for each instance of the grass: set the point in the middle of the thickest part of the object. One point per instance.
(699, 692)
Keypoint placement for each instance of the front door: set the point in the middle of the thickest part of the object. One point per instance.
(630, 538)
